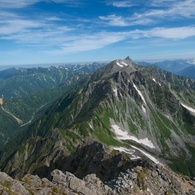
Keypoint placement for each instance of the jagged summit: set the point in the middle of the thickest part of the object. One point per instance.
(115, 66)
(124, 62)
(128, 59)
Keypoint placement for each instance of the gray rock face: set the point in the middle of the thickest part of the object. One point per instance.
(11, 186)
(139, 180)
(62, 183)
(89, 185)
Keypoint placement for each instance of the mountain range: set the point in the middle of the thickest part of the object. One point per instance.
(124, 123)
(27, 92)
(180, 67)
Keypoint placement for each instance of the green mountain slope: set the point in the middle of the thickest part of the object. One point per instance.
(142, 111)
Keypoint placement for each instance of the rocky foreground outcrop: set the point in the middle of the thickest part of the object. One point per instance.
(138, 181)
(62, 183)
(95, 169)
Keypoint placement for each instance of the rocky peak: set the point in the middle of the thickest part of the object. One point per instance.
(114, 67)
(128, 60)
(119, 64)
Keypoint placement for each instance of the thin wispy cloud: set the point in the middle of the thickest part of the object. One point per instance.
(17, 26)
(167, 33)
(161, 3)
(89, 42)
(177, 9)
(122, 4)
(173, 33)
(17, 4)
(155, 12)
(114, 20)
(24, 3)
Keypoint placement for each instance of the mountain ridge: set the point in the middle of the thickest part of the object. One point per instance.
(28, 92)
(183, 67)
(142, 112)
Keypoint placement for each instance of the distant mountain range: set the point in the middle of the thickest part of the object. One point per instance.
(27, 92)
(180, 67)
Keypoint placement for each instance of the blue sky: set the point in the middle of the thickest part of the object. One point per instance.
(52, 31)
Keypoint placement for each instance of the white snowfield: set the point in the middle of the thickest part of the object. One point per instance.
(115, 91)
(133, 157)
(91, 126)
(140, 93)
(127, 151)
(123, 135)
(188, 108)
(148, 155)
(154, 80)
(121, 63)
(143, 109)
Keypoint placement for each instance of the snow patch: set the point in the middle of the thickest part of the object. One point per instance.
(168, 116)
(154, 80)
(140, 93)
(121, 63)
(143, 109)
(90, 126)
(148, 155)
(133, 157)
(122, 149)
(123, 135)
(125, 64)
(188, 108)
(115, 91)
(127, 151)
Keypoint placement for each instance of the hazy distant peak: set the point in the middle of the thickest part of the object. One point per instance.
(128, 59)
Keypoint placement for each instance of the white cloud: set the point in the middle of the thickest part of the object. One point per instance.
(55, 36)
(122, 4)
(184, 8)
(99, 40)
(152, 12)
(54, 18)
(17, 4)
(161, 3)
(25, 3)
(114, 20)
(175, 10)
(169, 33)
(90, 42)
(17, 25)
(173, 33)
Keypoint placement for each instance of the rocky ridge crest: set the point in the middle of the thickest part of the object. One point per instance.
(145, 178)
